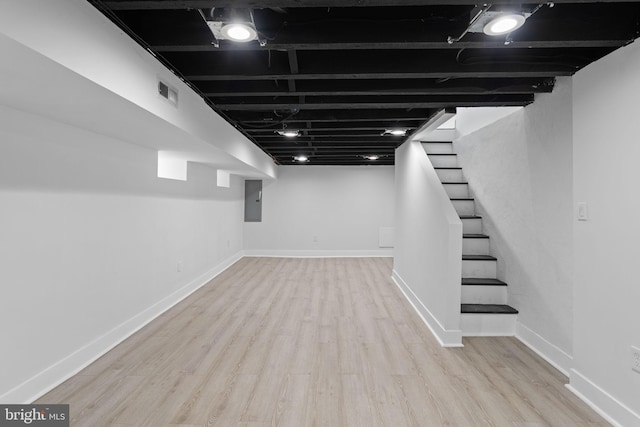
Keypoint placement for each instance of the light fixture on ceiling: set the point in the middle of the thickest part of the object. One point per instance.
(372, 157)
(289, 133)
(234, 24)
(496, 23)
(301, 158)
(504, 24)
(240, 32)
(394, 132)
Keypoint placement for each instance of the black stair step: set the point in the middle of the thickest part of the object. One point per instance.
(470, 217)
(473, 281)
(436, 142)
(454, 182)
(451, 167)
(465, 198)
(475, 236)
(487, 309)
(479, 258)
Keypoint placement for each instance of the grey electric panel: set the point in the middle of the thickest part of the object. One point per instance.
(253, 200)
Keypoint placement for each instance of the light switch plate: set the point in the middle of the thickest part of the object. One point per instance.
(583, 211)
(635, 359)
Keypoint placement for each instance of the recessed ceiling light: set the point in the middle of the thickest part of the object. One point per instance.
(289, 133)
(301, 158)
(239, 32)
(504, 24)
(395, 132)
(372, 157)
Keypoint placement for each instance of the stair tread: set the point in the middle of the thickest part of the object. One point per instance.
(478, 258)
(436, 142)
(446, 167)
(459, 198)
(487, 309)
(470, 217)
(475, 236)
(473, 281)
(454, 182)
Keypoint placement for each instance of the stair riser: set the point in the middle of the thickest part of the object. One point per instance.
(488, 324)
(484, 295)
(450, 175)
(444, 161)
(438, 148)
(472, 226)
(479, 269)
(457, 191)
(464, 207)
(475, 246)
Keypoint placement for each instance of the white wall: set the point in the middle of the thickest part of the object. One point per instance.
(79, 38)
(428, 244)
(90, 240)
(470, 119)
(323, 210)
(519, 171)
(606, 176)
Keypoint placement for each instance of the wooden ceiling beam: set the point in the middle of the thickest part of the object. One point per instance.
(257, 4)
(391, 92)
(410, 45)
(524, 100)
(522, 72)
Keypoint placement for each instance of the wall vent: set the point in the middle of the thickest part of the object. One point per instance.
(168, 93)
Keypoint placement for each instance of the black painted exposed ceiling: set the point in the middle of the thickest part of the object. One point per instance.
(344, 71)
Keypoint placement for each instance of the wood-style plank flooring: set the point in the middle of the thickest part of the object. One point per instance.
(313, 342)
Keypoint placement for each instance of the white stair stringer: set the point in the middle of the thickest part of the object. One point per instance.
(484, 309)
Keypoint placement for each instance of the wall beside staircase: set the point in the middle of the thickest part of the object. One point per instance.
(428, 244)
(520, 172)
(606, 291)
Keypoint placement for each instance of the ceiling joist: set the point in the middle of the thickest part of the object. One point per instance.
(204, 4)
(342, 72)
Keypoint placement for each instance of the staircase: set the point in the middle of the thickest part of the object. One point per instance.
(484, 309)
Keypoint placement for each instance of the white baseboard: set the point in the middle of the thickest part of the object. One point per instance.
(382, 253)
(446, 338)
(609, 408)
(56, 374)
(560, 360)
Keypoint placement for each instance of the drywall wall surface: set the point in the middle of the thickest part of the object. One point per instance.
(77, 36)
(323, 210)
(606, 177)
(519, 171)
(428, 244)
(470, 119)
(93, 245)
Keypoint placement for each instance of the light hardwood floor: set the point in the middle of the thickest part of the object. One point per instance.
(313, 342)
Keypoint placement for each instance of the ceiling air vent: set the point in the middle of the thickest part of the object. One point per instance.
(168, 93)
